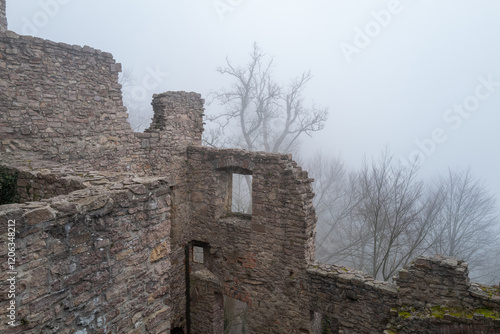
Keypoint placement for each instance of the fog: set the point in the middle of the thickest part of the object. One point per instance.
(420, 76)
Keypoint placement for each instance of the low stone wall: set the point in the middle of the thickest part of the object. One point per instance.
(431, 295)
(435, 296)
(39, 180)
(354, 301)
(34, 186)
(94, 261)
(429, 282)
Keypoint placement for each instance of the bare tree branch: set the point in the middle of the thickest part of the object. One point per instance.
(268, 117)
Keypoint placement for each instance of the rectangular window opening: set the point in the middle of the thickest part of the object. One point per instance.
(241, 194)
(198, 256)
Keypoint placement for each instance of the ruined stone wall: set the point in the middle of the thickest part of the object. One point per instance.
(431, 282)
(435, 295)
(207, 307)
(61, 107)
(37, 184)
(94, 261)
(61, 102)
(432, 295)
(3, 16)
(177, 123)
(353, 301)
(260, 259)
(264, 260)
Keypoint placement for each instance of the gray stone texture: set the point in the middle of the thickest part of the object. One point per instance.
(3, 16)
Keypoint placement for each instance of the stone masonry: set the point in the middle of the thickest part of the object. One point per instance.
(123, 232)
(3, 17)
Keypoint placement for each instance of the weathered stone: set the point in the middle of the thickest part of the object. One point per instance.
(36, 216)
(3, 17)
(156, 319)
(159, 252)
(125, 254)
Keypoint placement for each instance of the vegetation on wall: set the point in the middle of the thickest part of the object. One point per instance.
(8, 186)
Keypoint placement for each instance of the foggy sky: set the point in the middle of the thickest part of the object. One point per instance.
(417, 75)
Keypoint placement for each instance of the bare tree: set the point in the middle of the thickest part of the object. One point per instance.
(380, 218)
(395, 214)
(334, 201)
(468, 222)
(269, 117)
(387, 219)
(259, 114)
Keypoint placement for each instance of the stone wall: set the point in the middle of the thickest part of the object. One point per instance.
(35, 185)
(3, 16)
(95, 261)
(207, 306)
(62, 117)
(177, 123)
(111, 258)
(431, 295)
(435, 295)
(354, 301)
(259, 259)
(429, 282)
(61, 102)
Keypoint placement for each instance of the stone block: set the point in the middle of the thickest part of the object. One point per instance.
(37, 216)
(159, 252)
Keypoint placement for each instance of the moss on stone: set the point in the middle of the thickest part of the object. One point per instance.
(488, 313)
(404, 314)
(438, 312)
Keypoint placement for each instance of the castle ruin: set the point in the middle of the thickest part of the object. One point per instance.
(124, 232)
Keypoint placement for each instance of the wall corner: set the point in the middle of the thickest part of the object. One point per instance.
(3, 16)
(178, 117)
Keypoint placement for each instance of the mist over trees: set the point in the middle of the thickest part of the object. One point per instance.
(377, 218)
(467, 224)
(269, 117)
(389, 217)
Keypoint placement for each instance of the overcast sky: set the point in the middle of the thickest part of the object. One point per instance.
(421, 76)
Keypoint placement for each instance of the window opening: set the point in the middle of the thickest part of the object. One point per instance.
(198, 256)
(241, 194)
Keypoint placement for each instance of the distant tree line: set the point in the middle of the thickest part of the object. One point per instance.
(379, 218)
